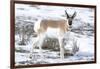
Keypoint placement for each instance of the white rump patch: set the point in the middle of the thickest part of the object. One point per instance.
(37, 25)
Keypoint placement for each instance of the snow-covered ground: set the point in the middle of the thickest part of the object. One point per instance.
(85, 53)
(84, 40)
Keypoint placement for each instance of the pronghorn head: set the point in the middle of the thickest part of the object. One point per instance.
(70, 17)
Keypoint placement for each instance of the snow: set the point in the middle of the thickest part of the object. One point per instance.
(85, 53)
(84, 42)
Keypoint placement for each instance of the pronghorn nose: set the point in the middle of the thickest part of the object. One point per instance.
(70, 24)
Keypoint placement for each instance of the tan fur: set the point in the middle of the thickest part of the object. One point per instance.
(61, 24)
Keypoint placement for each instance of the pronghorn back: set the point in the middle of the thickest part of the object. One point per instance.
(62, 25)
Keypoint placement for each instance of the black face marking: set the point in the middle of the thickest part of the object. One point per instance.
(70, 17)
(70, 20)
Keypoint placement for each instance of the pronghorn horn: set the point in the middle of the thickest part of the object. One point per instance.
(74, 14)
(67, 14)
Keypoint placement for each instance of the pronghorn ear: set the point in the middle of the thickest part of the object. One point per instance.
(66, 14)
(74, 14)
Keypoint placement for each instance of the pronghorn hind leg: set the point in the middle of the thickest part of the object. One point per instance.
(41, 40)
(32, 49)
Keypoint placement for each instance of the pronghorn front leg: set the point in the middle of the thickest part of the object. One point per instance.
(61, 47)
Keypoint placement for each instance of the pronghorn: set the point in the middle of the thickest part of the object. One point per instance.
(62, 25)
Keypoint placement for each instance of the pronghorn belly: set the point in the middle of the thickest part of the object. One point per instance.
(53, 32)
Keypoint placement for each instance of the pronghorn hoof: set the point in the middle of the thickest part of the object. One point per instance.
(30, 57)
